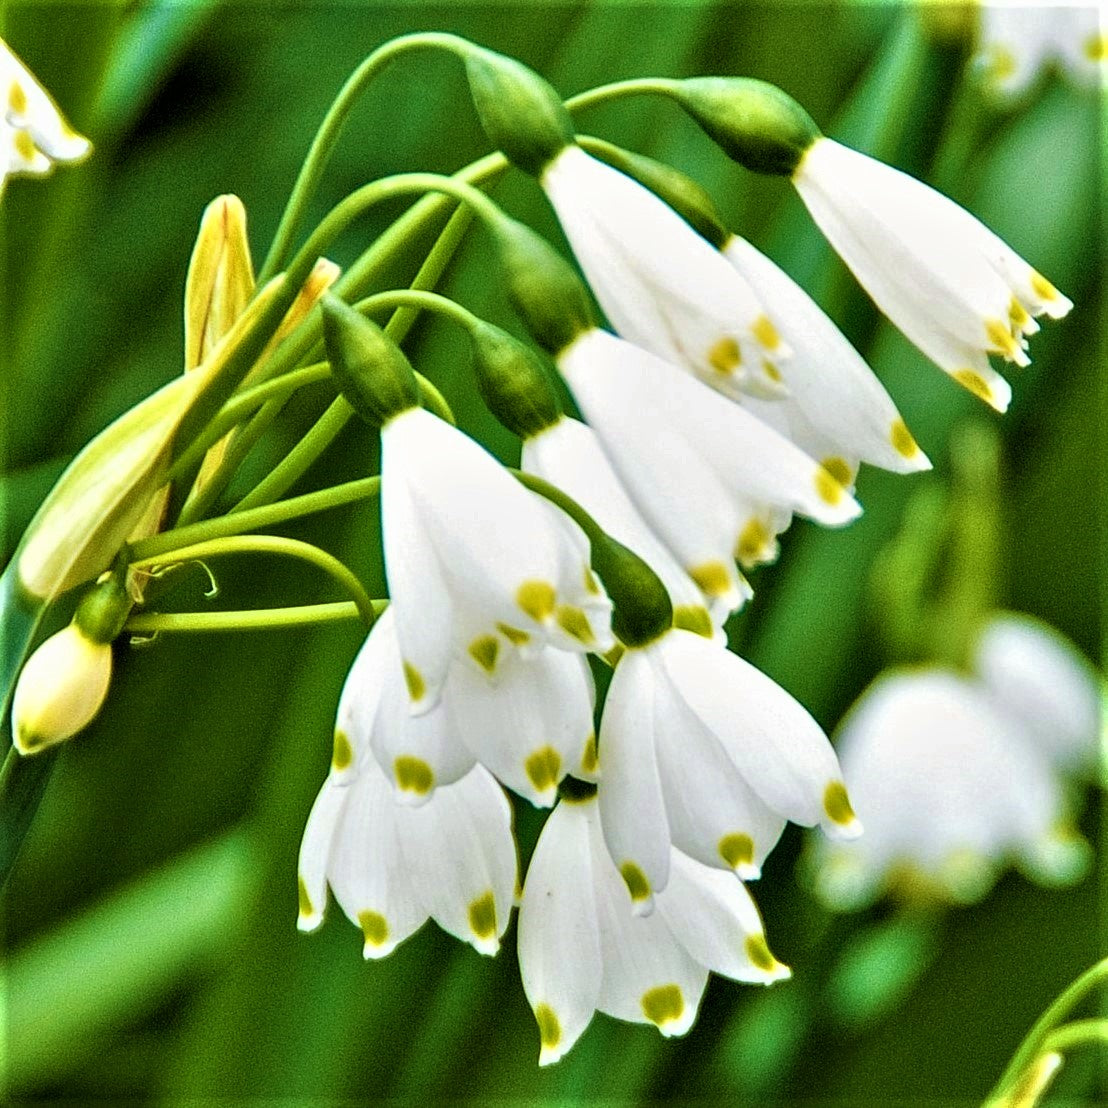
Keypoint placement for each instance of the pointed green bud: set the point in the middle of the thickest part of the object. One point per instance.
(543, 287)
(641, 608)
(372, 371)
(520, 111)
(755, 123)
(687, 198)
(513, 381)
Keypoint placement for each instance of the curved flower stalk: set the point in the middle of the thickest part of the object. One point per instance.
(33, 132)
(950, 790)
(955, 289)
(568, 454)
(392, 866)
(476, 564)
(530, 728)
(660, 284)
(1016, 42)
(701, 751)
(713, 481)
(582, 950)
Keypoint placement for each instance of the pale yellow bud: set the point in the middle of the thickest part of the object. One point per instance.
(60, 690)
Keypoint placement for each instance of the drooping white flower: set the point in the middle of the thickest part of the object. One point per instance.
(582, 950)
(1041, 683)
(1018, 40)
(837, 410)
(33, 132)
(661, 285)
(569, 455)
(950, 791)
(701, 751)
(953, 287)
(476, 564)
(712, 480)
(530, 727)
(392, 866)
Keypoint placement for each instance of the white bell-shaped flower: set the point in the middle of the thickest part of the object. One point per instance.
(569, 456)
(950, 791)
(582, 950)
(476, 563)
(953, 287)
(1042, 683)
(529, 728)
(661, 285)
(33, 131)
(1018, 40)
(713, 481)
(392, 866)
(837, 410)
(701, 751)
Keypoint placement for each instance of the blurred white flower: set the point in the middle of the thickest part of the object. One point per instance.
(1018, 40)
(951, 788)
(954, 288)
(713, 481)
(476, 563)
(582, 950)
(701, 751)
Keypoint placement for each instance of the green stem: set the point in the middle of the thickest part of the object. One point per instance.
(258, 619)
(662, 86)
(1033, 1043)
(269, 544)
(1077, 1033)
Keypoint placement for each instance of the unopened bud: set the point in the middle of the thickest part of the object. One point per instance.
(513, 381)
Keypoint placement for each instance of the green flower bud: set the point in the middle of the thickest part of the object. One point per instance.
(755, 123)
(543, 287)
(641, 607)
(104, 609)
(521, 112)
(687, 198)
(513, 381)
(372, 371)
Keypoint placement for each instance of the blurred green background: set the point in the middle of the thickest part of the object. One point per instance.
(150, 940)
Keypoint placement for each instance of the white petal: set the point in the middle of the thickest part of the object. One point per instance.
(315, 854)
(531, 728)
(461, 858)
(630, 798)
(28, 106)
(715, 919)
(372, 669)
(559, 940)
(777, 746)
(1039, 680)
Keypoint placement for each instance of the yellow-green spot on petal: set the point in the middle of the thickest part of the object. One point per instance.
(771, 371)
(725, 356)
(25, 146)
(836, 804)
(737, 849)
(712, 578)
(663, 1004)
(754, 542)
(482, 916)
(589, 759)
(1002, 63)
(692, 617)
(413, 775)
(592, 586)
(765, 332)
(374, 927)
(972, 380)
(543, 768)
(1096, 47)
(1000, 335)
(550, 1030)
(635, 880)
(902, 440)
(513, 634)
(1043, 288)
(304, 900)
(839, 468)
(1017, 314)
(343, 753)
(759, 953)
(17, 98)
(575, 623)
(537, 599)
(417, 687)
(484, 650)
(830, 490)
